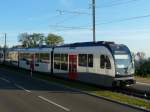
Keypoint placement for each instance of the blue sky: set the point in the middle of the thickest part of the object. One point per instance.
(17, 16)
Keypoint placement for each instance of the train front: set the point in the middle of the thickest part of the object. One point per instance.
(124, 65)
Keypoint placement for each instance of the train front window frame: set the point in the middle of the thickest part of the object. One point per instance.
(122, 60)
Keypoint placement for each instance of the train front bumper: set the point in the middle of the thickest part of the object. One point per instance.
(124, 81)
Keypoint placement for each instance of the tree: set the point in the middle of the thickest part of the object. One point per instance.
(141, 55)
(53, 40)
(31, 40)
(142, 64)
(24, 39)
(36, 39)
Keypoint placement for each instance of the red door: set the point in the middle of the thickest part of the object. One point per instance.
(72, 67)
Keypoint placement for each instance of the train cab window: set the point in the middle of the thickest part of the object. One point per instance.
(82, 60)
(64, 62)
(90, 60)
(102, 61)
(108, 64)
(57, 61)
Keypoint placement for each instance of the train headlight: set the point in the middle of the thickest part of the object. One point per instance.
(118, 73)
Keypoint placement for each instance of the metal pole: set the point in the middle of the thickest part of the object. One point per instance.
(93, 13)
(5, 35)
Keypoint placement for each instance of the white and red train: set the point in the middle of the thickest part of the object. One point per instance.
(101, 63)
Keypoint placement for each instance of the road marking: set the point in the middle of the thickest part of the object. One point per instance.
(4, 80)
(143, 83)
(20, 87)
(49, 101)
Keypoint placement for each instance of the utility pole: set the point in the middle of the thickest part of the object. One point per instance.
(93, 17)
(5, 36)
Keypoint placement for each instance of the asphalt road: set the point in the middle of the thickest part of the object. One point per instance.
(25, 94)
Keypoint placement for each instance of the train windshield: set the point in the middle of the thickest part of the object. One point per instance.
(122, 61)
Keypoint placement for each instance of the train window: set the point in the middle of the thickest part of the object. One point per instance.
(37, 57)
(90, 60)
(105, 62)
(13, 56)
(20, 56)
(64, 61)
(44, 57)
(108, 64)
(57, 61)
(24, 56)
(1, 55)
(102, 61)
(82, 60)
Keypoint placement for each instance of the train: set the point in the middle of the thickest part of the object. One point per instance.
(100, 63)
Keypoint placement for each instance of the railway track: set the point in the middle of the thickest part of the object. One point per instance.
(134, 92)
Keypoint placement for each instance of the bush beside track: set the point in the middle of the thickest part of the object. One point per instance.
(90, 89)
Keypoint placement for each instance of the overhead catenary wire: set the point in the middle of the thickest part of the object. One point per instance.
(68, 27)
(125, 19)
(103, 23)
(72, 12)
(117, 3)
(66, 19)
(75, 13)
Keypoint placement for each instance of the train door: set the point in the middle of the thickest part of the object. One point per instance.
(72, 67)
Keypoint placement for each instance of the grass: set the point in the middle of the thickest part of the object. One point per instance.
(143, 79)
(94, 90)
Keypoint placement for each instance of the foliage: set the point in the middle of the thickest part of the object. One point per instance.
(35, 39)
(31, 40)
(144, 69)
(142, 65)
(53, 40)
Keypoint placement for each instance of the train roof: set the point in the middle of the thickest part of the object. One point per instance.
(85, 44)
(39, 49)
(112, 46)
